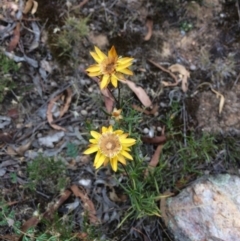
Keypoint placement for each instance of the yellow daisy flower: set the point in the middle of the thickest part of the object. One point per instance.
(116, 114)
(110, 68)
(111, 146)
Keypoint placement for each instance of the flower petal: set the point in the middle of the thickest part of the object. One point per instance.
(110, 129)
(118, 132)
(95, 134)
(128, 141)
(122, 159)
(104, 129)
(91, 149)
(123, 66)
(114, 163)
(126, 154)
(94, 74)
(99, 160)
(112, 53)
(100, 54)
(96, 58)
(123, 136)
(114, 81)
(119, 76)
(93, 68)
(105, 81)
(126, 71)
(125, 60)
(106, 161)
(93, 141)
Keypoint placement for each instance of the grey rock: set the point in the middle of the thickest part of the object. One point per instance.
(209, 209)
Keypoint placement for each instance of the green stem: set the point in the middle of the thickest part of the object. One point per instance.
(119, 99)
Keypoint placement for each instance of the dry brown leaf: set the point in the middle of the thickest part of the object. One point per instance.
(67, 101)
(5, 137)
(28, 6)
(21, 149)
(185, 75)
(108, 100)
(33, 221)
(10, 151)
(147, 112)
(149, 25)
(15, 39)
(154, 140)
(165, 70)
(50, 115)
(222, 99)
(163, 205)
(35, 7)
(88, 204)
(167, 84)
(154, 161)
(107, 95)
(139, 91)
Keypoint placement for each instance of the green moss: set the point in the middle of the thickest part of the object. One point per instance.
(7, 68)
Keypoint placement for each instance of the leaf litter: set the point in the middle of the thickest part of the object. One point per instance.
(50, 131)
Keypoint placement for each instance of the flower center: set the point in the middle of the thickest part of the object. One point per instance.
(108, 66)
(109, 144)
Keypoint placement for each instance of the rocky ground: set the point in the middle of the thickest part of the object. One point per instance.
(49, 104)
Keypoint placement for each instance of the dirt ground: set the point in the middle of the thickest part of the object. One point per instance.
(203, 36)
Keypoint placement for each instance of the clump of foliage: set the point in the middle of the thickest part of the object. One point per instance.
(7, 67)
(7, 217)
(70, 35)
(47, 173)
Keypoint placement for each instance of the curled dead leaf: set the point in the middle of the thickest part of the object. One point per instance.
(149, 25)
(154, 161)
(147, 112)
(154, 140)
(139, 91)
(67, 102)
(184, 75)
(218, 94)
(15, 39)
(22, 149)
(165, 70)
(50, 115)
(88, 204)
(107, 95)
(108, 100)
(28, 6)
(35, 6)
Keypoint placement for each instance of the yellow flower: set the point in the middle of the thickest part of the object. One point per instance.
(110, 146)
(109, 68)
(116, 114)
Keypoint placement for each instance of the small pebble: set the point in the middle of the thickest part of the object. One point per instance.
(112, 122)
(151, 132)
(84, 112)
(85, 182)
(145, 130)
(193, 67)
(90, 89)
(159, 128)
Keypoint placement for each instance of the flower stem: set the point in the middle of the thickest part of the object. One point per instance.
(119, 99)
(130, 179)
